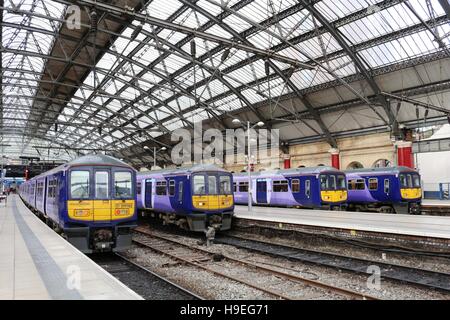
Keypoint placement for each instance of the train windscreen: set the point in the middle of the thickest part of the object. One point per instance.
(411, 180)
(79, 184)
(209, 183)
(332, 182)
(122, 184)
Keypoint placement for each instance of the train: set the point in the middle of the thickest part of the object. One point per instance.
(194, 198)
(90, 200)
(386, 190)
(320, 187)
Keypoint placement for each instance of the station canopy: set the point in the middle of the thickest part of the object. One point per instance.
(127, 73)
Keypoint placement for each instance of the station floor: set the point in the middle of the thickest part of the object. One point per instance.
(36, 263)
(411, 225)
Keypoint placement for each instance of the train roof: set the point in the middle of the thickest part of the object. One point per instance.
(398, 169)
(181, 170)
(88, 160)
(304, 170)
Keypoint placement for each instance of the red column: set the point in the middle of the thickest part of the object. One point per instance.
(335, 158)
(287, 162)
(404, 154)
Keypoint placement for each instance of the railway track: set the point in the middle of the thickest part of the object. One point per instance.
(416, 276)
(435, 210)
(135, 276)
(195, 256)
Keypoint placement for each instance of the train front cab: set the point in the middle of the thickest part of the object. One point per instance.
(101, 208)
(333, 191)
(212, 201)
(410, 194)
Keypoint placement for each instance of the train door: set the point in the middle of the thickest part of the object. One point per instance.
(261, 191)
(102, 200)
(148, 194)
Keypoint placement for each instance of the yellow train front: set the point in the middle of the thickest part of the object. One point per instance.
(90, 200)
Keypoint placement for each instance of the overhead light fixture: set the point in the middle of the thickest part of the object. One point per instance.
(225, 55)
(236, 121)
(136, 31)
(267, 67)
(193, 48)
(163, 148)
(260, 124)
(146, 147)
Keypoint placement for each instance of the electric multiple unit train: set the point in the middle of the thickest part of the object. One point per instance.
(193, 198)
(90, 200)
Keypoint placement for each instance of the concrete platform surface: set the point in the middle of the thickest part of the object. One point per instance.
(423, 226)
(437, 203)
(37, 263)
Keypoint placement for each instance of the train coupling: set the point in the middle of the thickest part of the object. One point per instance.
(210, 234)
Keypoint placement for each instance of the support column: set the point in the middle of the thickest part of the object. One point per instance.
(335, 162)
(287, 161)
(404, 154)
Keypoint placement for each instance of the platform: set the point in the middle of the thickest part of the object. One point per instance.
(37, 263)
(410, 225)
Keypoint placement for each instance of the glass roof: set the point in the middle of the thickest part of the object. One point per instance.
(143, 87)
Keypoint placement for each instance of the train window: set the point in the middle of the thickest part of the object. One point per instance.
(243, 186)
(323, 182)
(332, 182)
(386, 186)
(341, 182)
(79, 184)
(180, 191)
(51, 188)
(139, 187)
(410, 182)
(212, 185)
(122, 184)
(373, 183)
(356, 184)
(234, 187)
(403, 183)
(308, 188)
(416, 180)
(225, 184)
(295, 185)
(280, 186)
(199, 184)
(171, 188)
(101, 184)
(161, 188)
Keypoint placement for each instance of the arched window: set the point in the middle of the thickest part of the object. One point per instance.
(382, 163)
(355, 165)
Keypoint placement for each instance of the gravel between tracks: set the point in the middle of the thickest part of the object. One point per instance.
(143, 283)
(216, 288)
